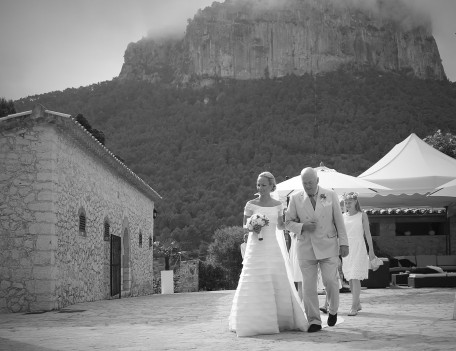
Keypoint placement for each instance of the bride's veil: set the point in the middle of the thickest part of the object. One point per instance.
(298, 307)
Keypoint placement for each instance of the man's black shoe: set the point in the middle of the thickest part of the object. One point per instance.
(332, 319)
(314, 328)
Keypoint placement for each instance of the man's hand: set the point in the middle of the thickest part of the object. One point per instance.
(309, 226)
(343, 250)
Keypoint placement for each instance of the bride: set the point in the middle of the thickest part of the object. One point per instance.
(266, 301)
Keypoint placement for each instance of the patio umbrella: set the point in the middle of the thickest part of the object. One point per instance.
(331, 179)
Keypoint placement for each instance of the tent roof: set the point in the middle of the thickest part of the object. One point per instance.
(412, 166)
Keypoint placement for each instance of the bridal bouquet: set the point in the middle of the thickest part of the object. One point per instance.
(256, 222)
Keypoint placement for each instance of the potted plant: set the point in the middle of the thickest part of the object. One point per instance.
(167, 249)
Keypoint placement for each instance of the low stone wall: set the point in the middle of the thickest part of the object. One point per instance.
(188, 276)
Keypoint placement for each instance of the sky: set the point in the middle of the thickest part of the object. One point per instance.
(48, 45)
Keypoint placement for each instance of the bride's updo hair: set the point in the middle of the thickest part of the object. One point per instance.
(270, 178)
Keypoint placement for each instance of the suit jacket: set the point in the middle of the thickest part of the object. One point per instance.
(330, 232)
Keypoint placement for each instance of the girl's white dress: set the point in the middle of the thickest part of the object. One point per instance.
(266, 301)
(356, 264)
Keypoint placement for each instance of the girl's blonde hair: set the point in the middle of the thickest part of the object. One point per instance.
(352, 195)
(270, 178)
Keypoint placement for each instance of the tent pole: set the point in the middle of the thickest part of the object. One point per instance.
(447, 232)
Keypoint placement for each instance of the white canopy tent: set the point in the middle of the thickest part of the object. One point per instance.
(413, 170)
(412, 166)
(447, 189)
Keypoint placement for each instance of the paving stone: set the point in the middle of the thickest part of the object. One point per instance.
(391, 319)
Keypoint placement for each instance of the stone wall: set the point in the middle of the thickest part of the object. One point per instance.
(27, 219)
(84, 260)
(188, 273)
(47, 176)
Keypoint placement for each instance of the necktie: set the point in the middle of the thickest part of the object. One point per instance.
(312, 200)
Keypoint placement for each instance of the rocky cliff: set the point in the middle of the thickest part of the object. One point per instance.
(250, 39)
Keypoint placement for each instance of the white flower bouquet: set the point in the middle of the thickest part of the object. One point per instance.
(256, 222)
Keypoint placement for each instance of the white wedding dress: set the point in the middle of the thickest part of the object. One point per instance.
(266, 301)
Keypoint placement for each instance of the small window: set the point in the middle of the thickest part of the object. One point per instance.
(140, 239)
(82, 222)
(106, 234)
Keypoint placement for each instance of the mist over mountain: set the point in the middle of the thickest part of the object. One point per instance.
(253, 39)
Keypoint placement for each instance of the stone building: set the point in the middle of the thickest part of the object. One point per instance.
(76, 224)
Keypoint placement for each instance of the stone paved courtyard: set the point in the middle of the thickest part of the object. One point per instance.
(391, 319)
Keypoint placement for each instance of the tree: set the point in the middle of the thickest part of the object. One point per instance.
(225, 252)
(99, 135)
(445, 143)
(168, 249)
(191, 152)
(83, 122)
(6, 107)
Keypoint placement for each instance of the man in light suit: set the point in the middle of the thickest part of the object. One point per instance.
(315, 218)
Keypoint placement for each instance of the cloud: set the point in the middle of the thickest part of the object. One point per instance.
(168, 19)
(408, 13)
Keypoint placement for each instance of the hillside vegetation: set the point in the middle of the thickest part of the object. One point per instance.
(203, 149)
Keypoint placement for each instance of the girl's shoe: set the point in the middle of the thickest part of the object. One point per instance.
(353, 312)
(359, 307)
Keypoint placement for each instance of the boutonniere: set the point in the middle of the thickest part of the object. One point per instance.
(323, 196)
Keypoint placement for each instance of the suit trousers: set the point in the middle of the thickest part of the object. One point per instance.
(329, 272)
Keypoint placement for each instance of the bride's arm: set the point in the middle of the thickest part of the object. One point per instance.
(244, 226)
(247, 213)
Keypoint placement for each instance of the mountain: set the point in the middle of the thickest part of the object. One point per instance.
(202, 149)
(253, 39)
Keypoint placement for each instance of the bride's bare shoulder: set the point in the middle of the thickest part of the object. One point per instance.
(270, 203)
(276, 202)
(254, 202)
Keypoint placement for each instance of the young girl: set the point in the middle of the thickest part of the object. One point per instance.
(356, 265)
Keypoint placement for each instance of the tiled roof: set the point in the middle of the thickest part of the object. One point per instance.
(405, 211)
(91, 142)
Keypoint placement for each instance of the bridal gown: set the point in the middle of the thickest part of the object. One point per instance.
(266, 301)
